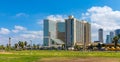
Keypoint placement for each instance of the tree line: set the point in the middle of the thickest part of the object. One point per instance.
(21, 45)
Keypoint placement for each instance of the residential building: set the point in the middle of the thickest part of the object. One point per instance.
(70, 33)
(87, 32)
(77, 32)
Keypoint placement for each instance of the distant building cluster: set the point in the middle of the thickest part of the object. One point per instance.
(69, 33)
(109, 38)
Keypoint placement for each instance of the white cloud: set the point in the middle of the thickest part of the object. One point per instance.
(18, 29)
(22, 14)
(40, 22)
(35, 36)
(32, 34)
(4, 31)
(102, 17)
(57, 17)
(3, 40)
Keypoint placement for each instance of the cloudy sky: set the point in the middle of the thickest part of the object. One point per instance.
(23, 19)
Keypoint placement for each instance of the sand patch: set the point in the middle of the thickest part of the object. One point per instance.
(6, 53)
(89, 59)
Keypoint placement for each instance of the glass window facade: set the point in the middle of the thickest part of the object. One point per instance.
(49, 31)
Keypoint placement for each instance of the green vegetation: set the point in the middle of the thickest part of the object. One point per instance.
(34, 55)
(116, 39)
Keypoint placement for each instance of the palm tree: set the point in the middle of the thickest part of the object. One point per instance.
(99, 46)
(16, 45)
(38, 46)
(115, 40)
(34, 46)
(21, 44)
(2, 47)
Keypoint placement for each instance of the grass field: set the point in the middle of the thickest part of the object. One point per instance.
(47, 55)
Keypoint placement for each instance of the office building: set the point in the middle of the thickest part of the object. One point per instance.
(100, 35)
(49, 31)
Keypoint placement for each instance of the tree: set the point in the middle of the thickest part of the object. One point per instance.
(16, 45)
(25, 44)
(2, 47)
(99, 46)
(29, 46)
(38, 46)
(21, 44)
(115, 40)
(90, 47)
(34, 46)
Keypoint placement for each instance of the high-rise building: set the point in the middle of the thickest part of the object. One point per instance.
(108, 40)
(117, 32)
(77, 32)
(49, 31)
(54, 33)
(71, 32)
(87, 33)
(100, 35)
(70, 26)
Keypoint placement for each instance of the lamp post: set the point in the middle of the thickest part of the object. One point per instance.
(9, 41)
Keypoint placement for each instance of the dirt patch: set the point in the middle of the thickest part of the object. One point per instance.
(90, 59)
(5, 53)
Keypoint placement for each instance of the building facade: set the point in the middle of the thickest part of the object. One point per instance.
(61, 31)
(54, 33)
(87, 33)
(49, 31)
(70, 31)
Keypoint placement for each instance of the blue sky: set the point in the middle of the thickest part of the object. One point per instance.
(18, 17)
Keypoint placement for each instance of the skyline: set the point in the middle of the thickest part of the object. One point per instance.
(22, 20)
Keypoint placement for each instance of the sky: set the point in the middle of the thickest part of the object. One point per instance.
(22, 20)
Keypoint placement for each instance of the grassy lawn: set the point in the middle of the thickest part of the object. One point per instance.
(37, 55)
